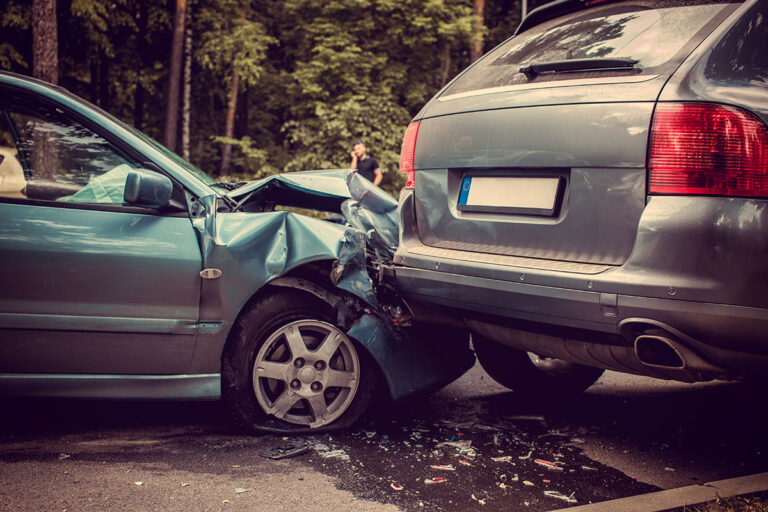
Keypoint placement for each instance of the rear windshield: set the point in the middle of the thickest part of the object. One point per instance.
(658, 35)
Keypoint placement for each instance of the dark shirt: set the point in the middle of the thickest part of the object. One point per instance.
(367, 167)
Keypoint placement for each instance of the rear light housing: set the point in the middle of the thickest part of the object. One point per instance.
(408, 152)
(707, 149)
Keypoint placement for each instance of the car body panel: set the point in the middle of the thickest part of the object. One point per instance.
(452, 147)
(76, 291)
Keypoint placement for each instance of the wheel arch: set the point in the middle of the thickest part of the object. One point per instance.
(313, 279)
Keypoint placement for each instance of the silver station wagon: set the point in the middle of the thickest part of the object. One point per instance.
(593, 194)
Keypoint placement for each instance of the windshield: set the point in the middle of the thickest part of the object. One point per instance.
(658, 38)
(198, 173)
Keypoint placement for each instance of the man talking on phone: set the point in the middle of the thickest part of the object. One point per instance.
(366, 165)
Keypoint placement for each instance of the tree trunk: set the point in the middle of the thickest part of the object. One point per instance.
(226, 153)
(105, 100)
(174, 76)
(477, 28)
(138, 98)
(187, 93)
(45, 41)
(446, 65)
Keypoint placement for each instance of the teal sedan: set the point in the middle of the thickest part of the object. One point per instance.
(128, 273)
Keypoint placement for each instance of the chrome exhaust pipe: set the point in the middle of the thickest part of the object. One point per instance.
(659, 352)
(668, 353)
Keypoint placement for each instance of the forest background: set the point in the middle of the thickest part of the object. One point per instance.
(247, 88)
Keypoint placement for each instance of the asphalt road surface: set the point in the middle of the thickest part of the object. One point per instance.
(472, 446)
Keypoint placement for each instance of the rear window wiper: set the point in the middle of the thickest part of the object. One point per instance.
(557, 66)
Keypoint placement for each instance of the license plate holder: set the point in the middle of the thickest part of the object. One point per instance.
(522, 195)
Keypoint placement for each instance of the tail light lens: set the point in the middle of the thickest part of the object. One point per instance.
(707, 149)
(407, 153)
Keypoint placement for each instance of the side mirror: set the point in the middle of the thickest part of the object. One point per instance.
(148, 189)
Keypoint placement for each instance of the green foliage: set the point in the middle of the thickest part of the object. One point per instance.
(230, 43)
(314, 76)
(14, 24)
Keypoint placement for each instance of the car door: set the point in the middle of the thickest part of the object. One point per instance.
(91, 285)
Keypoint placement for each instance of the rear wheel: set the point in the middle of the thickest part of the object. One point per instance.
(531, 374)
(289, 368)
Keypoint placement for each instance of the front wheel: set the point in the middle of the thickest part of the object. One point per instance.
(531, 374)
(289, 368)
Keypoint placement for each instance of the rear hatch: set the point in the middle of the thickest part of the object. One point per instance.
(539, 149)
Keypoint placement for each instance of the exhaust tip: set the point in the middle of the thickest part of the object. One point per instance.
(658, 351)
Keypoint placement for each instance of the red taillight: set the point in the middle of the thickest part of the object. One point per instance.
(407, 152)
(699, 148)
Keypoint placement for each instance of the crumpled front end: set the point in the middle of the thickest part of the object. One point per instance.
(256, 247)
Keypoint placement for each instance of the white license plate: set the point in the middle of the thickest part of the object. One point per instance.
(486, 193)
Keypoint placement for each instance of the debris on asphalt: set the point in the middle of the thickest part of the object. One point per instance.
(185, 484)
(526, 456)
(63, 456)
(327, 453)
(480, 501)
(335, 454)
(464, 447)
(547, 464)
(459, 445)
(561, 496)
(285, 451)
(669, 469)
(588, 468)
(443, 467)
(396, 486)
(527, 417)
(464, 462)
(555, 433)
(506, 458)
(139, 483)
(241, 490)
(435, 480)
(526, 482)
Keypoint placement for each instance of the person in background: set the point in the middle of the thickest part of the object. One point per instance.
(366, 165)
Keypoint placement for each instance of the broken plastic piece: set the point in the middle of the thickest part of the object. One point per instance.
(464, 462)
(241, 490)
(506, 458)
(527, 456)
(480, 501)
(139, 483)
(526, 482)
(560, 496)
(436, 480)
(396, 486)
(549, 465)
(285, 451)
(63, 456)
(444, 467)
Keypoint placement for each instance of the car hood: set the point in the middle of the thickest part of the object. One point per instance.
(363, 205)
(321, 190)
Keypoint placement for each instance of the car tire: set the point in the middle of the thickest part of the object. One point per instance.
(532, 375)
(288, 368)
